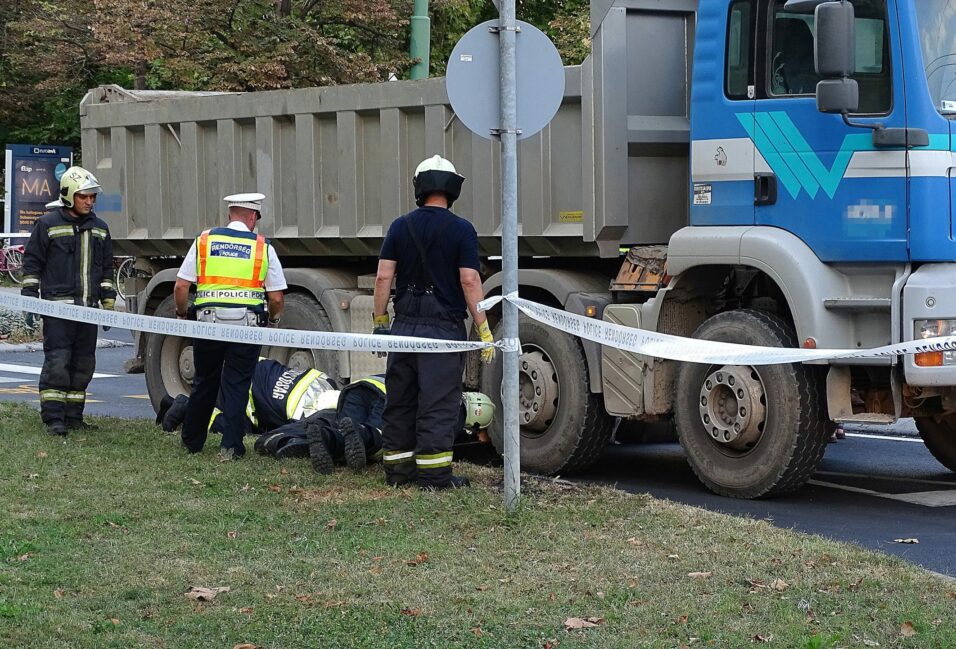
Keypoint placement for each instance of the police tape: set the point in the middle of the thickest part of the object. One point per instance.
(238, 334)
(651, 343)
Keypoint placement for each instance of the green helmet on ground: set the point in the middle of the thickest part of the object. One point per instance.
(77, 180)
(479, 410)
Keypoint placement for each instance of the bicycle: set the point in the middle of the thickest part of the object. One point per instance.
(11, 262)
(122, 271)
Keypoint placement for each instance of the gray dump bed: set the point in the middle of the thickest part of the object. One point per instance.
(336, 162)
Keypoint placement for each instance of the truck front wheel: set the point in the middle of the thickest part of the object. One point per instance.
(564, 428)
(939, 435)
(750, 431)
(168, 360)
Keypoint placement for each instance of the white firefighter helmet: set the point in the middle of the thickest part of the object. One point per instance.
(436, 175)
(77, 180)
(479, 410)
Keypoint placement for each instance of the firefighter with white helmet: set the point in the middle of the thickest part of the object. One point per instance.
(432, 255)
(69, 258)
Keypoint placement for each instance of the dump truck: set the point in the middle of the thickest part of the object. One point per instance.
(767, 172)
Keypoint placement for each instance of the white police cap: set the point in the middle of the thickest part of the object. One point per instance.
(252, 201)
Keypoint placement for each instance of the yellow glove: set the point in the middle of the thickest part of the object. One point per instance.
(108, 303)
(381, 321)
(484, 332)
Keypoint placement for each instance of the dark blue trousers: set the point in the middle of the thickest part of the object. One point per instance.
(223, 370)
(69, 358)
(422, 405)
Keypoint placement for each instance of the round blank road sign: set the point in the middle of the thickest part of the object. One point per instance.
(473, 79)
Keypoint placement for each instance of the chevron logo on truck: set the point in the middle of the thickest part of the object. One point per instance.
(792, 159)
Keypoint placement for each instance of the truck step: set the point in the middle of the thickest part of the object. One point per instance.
(874, 304)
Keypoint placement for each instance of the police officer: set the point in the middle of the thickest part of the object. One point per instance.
(433, 256)
(239, 281)
(69, 258)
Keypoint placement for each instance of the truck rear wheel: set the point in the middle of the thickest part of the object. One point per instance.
(750, 431)
(168, 360)
(939, 435)
(302, 311)
(564, 428)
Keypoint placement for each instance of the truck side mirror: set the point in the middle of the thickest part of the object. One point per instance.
(838, 95)
(834, 57)
(834, 52)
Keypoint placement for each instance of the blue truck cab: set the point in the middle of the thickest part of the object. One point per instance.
(820, 215)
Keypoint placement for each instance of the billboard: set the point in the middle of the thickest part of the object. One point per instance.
(32, 181)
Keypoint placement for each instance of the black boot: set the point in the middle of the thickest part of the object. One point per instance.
(56, 428)
(318, 451)
(354, 446)
(456, 482)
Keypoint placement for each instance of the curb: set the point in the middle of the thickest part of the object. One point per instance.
(38, 347)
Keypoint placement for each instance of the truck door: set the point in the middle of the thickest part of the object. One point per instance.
(722, 154)
(814, 175)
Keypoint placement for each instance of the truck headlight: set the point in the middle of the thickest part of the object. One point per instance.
(924, 329)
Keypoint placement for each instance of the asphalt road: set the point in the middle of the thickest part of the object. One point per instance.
(869, 489)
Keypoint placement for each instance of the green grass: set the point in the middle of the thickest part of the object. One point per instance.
(102, 534)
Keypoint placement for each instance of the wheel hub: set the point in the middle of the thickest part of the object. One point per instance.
(301, 359)
(537, 391)
(187, 369)
(733, 406)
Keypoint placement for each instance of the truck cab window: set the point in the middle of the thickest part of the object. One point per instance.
(738, 75)
(790, 67)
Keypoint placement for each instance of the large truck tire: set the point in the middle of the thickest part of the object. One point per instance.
(564, 428)
(302, 311)
(169, 359)
(939, 435)
(751, 431)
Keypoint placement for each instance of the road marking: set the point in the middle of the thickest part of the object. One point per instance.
(136, 396)
(886, 437)
(945, 498)
(6, 379)
(28, 369)
(869, 476)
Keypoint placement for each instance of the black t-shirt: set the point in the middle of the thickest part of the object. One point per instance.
(450, 243)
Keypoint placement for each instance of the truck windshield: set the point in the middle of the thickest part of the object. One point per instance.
(937, 30)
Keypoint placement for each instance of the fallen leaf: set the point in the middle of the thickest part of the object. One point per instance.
(25, 557)
(477, 631)
(303, 598)
(582, 623)
(33, 476)
(114, 621)
(231, 535)
(112, 524)
(246, 645)
(635, 541)
(296, 489)
(763, 638)
(599, 595)
(907, 540)
(699, 575)
(41, 454)
(414, 612)
(331, 524)
(246, 487)
(481, 588)
(283, 471)
(907, 630)
(673, 557)
(59, 593)
(203, 594)
(246, 610)
(682, 619)
(779, 585)
(195, 482)
(274, 488)
(419, 559)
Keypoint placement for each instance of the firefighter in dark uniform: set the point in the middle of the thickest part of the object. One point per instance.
(239, 281)
(69, 258)
(358, 427)
(432, 255)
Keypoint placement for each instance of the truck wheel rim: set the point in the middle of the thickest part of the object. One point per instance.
(733, 407)
(187, 369)
(301, 359)
(538, 391)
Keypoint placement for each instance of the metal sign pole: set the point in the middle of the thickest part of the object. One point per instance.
(509, 247)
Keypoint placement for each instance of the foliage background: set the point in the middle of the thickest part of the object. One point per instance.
(53, 51)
